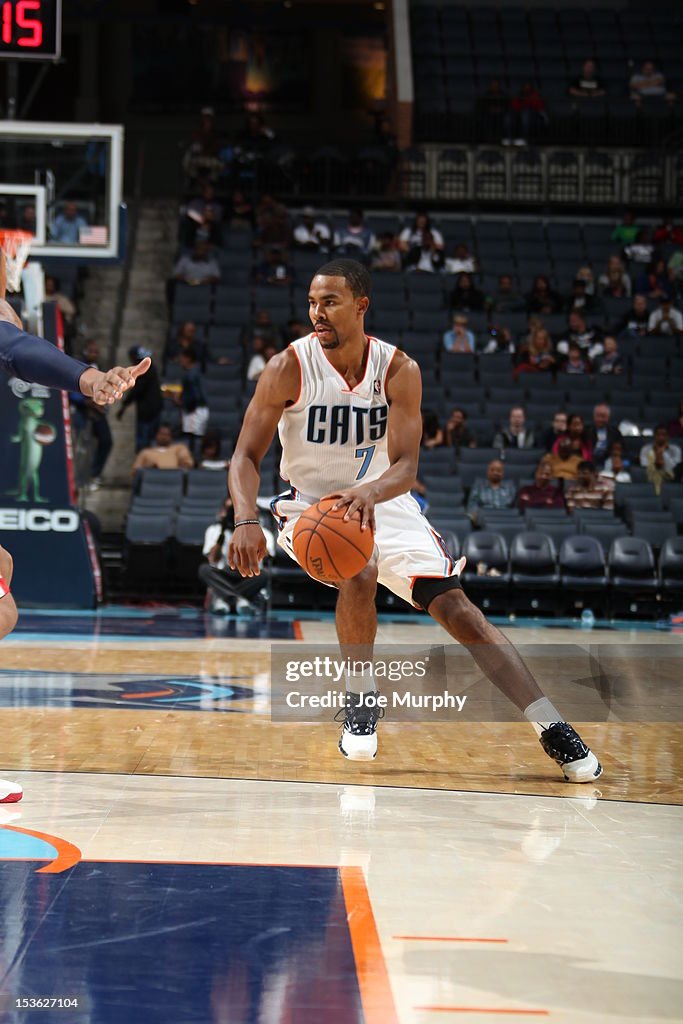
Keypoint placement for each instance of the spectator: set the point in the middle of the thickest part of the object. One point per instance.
(355, 240)
(615, 282)
(185, 338)
(665, 320)
(256, 137)
(655, 281)
(462, 261)
(536, 354)
(275, 270)
(505, 299)
(296, 329)
(542, 299)
(52, 294)
(386, 255)
(627, 231)
(199, 268)
(88, 414)
(466, 296)
(585, 273)
(634, 324)
(66, 227)
(206, 201)
(192, 400)
(494, 102)
(205, 229)
(675, 426)
(426, 257)
(27, 220)
(589, 490)
(525, 115)
(312, 234)
(414, 236)
(240, 211)
(494, 492)
(580, 299)
(499, 340)
(601, 434)
(516, 434)
(575, 362)
(564, 462)
(660, 452)
(432, 434)
(589, 339)
(611, 361)
(210, 453)
(147, 399)
(263, 353)
(458, 434)
(556, 430)
(668, 233)
(616, 466)
(649, 83)
(587, 85)
(459, 338)
(202, 154)
(163, 454)
(578, 438)
(263, 325)
(227, 589)
(641, 250)
(542, 493)
(272, 223)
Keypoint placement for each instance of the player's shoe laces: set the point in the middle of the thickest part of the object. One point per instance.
(358, 740)
(10, 792)
(565, 746)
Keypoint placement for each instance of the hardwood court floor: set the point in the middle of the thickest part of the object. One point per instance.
(457, 877)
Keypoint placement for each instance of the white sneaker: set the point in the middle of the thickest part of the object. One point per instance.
(10, 792)
(358, 740)
(561, 742)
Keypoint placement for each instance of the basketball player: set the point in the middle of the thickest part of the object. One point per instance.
(347, 408)
(37, 361)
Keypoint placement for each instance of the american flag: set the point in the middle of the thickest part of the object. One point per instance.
(93, 235)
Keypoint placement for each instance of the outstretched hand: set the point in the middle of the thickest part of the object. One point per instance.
(107, 388)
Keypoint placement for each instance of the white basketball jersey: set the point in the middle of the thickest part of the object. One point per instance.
(334, 436)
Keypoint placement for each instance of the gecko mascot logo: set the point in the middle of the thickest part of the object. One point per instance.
(33, 434)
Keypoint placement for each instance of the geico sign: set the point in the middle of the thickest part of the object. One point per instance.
(39, 520)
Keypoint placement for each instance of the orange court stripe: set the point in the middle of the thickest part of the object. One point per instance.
(297, 630)
(444, 938)
(373, 979)
(152, 693)
(67, 853)
(482, 1009)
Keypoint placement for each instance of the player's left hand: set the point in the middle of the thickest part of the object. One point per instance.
(107, 388)
(357, 499)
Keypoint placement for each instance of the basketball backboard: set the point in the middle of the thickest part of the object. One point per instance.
(71, 175)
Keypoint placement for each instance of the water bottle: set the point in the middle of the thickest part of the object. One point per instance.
(587, 618)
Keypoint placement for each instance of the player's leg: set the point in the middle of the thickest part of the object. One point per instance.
(10, 792)
(501, 663)
(356, 622)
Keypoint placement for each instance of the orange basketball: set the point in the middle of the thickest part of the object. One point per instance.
(328, 548)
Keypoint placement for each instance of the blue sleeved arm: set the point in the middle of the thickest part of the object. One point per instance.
(37, 361)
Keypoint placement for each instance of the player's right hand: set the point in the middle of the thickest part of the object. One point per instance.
(247, 549)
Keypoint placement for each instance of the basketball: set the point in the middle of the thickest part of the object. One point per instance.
(328, 548)
(44, 433)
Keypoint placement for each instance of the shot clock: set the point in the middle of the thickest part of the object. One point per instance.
(30, 29)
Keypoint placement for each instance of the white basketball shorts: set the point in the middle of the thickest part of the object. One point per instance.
(407, 547)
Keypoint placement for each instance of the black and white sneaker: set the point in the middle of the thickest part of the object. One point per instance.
(358, 740)
(565, 746)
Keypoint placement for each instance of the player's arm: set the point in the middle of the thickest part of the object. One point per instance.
(278, 385)
(404, 430)
(8, 609)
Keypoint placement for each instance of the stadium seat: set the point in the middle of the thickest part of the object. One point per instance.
(582, 564)
(631, 566)
(161, 483)
(489, 549)
(533, 570)
(671, 568)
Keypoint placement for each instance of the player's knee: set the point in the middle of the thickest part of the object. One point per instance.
(365, 580)
(460, 617)
(6, 565)
(9, 616)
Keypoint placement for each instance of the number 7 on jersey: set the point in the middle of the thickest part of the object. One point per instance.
(366, 455)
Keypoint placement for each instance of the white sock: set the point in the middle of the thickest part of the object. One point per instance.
(360, 682)
(542, 713)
